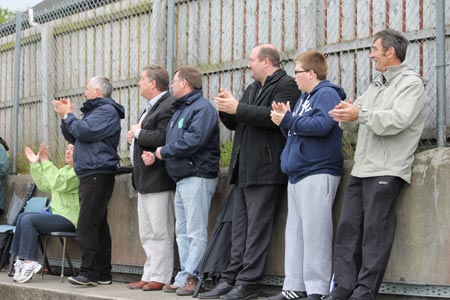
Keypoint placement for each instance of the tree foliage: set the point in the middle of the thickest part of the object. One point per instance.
(5, 15)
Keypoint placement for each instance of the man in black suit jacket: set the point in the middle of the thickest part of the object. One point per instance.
(155, 188)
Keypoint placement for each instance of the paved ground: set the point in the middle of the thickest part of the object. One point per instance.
(114, 291)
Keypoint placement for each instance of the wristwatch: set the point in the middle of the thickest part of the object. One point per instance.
(65, 117)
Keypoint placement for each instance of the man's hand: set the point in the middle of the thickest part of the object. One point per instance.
(148, 157)
(345, 112)
(226, 102)
(32, 158)
(62, 106)
(132, 131)
(279, 109)
(135, 127)
(276, 117)
(130, 137)
(158, 153)
(43, 152)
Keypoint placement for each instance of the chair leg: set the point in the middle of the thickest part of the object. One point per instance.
(62, 260)
(11, 265)
(44, 253)
(69, 261)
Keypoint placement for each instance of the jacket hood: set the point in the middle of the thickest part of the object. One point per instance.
(91, 104)
(326, 83)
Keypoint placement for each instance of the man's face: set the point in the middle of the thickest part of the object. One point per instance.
(378, 55)
(256, 66)
(145, 86)
(177, 86)
(301, 77)
(91, 92)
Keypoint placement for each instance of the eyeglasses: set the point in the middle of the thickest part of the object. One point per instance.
(300, 71)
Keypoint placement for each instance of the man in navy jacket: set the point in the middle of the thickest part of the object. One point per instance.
(192, 155)
(95, 138)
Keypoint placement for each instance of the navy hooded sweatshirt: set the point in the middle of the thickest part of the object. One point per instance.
(314, 140)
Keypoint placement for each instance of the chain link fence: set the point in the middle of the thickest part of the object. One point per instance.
(72, 41)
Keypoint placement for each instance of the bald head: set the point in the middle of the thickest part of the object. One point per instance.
(270, 52)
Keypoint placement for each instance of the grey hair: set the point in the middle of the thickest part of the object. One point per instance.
(103, 84)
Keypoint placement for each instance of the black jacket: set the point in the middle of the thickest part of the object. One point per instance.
(258, 142)
(153, 179)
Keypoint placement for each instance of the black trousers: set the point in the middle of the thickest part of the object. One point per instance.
(93, 230)
(253, 214)
(365, 234)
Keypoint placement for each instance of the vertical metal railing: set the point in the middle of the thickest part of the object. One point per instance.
(441, 122)
(15, 127)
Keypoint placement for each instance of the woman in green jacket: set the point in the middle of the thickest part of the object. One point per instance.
(61, 215)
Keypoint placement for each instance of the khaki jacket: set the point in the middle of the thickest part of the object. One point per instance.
(389, 124)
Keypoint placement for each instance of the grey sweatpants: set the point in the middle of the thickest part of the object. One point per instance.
(309, 234)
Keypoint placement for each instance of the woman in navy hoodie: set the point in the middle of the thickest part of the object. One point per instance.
(312, 158)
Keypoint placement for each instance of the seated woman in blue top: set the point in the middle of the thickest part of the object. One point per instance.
(62, 214)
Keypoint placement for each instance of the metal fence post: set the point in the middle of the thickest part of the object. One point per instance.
(440, 75)
(17, 49)
(170, 35)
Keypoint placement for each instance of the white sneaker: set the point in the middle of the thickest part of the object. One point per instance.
(18, 265)
(28, 270)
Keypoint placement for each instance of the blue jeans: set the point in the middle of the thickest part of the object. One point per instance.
(29, 226)
(192, 200)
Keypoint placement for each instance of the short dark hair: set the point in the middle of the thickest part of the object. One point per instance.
(192, 75)
(393, 38)
(159, 74)
(271, 53)
(313, 60)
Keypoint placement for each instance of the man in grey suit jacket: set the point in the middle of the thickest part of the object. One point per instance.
(155, 188)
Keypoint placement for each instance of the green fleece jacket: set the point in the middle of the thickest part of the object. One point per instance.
(62, 184)
(389, 124)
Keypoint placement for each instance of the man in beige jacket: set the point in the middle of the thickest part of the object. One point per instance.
(389, 118)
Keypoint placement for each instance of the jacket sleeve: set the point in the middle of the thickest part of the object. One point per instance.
(202, 125)
(155, 137)
(4, 161)
(37, 173)
(259, 116)
(98, 125)
(407, 106)
(62, 180)
(319, 123)
(67, 136)
(228, 120)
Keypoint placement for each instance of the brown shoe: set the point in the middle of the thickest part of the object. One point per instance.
(153, 286)
(170, 288)
(189, 287)
(137, 285)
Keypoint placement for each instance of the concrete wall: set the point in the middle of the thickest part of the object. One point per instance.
(419, 255)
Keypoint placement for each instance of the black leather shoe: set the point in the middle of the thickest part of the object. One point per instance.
(288, 295)
(241, 292)
(221, 288)
(314, 297)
